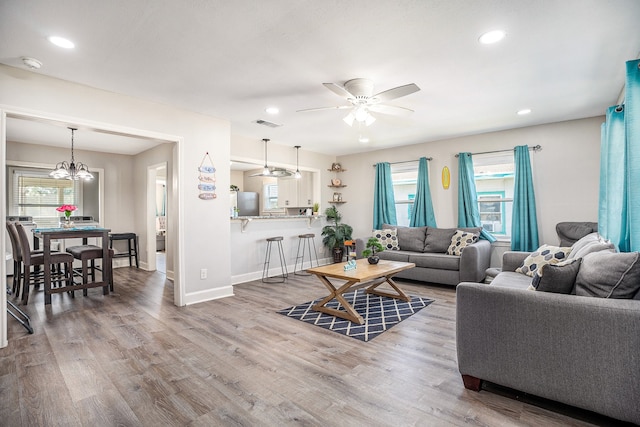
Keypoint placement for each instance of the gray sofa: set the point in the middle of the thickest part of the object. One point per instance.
(426, 247)
(578, 350)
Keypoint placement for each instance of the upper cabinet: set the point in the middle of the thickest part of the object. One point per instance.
(296, 193)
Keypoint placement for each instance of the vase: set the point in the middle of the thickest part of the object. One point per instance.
(338, 253)
(373, 259)
(68, 224)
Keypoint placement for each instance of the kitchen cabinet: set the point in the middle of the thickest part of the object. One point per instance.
(296, 193)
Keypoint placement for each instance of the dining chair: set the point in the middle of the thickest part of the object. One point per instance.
(88, 254)
(30, 260)
(16, 254)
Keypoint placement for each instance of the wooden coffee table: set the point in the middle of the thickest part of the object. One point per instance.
(378, 273)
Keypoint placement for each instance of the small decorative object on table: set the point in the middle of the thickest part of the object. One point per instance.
(373, 246)
(67, 209)
(350, 265)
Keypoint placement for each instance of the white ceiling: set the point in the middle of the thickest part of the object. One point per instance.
(232, 59)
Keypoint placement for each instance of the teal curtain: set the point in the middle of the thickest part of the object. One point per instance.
(422, 212)
(384, 204)
(524, 225)
(468, 214)
(619, 200)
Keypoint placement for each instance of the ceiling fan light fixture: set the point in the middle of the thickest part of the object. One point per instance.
(369, 120)
(361, 114)
(349, 118)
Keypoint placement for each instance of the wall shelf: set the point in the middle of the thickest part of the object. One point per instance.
(337, 186)
(337, 201)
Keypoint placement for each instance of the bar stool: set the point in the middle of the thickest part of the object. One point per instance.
(132, 246)
(88, 254)
(283, 267)
(306, 242)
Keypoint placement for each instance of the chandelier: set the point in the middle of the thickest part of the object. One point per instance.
(73, 171)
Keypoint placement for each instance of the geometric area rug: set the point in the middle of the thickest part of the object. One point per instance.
(379, 313)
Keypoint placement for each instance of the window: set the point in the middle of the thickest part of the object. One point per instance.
(271, 196)
(405, 182)
(33, 193)
(494, 177)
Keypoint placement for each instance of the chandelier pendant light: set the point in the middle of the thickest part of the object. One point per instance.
(266, 171)
(73, 171)
(297, 175)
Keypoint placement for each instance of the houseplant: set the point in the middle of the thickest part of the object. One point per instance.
(335, 233)
(373, 245)
(316, 208)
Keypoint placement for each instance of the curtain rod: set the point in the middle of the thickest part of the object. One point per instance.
(534, 148)
(406, 161)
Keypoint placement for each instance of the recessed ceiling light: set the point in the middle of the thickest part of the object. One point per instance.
(62, 42)
(524, 111)
(272, 110)
(492, 37)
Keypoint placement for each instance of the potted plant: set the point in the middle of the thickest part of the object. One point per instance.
(335, 233)
(373, 245)
(316, 208)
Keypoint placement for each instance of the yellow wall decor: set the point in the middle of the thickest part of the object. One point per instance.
(446, 178)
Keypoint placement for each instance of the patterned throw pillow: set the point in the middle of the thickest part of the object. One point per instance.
(388, 238)
(460, 240)
(545, 254)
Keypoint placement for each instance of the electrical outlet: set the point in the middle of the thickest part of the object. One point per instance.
(203, 273)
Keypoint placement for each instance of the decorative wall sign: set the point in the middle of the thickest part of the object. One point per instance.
(446, 178)
(207, 178)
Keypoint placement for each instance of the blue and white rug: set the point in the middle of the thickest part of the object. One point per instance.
(379, 313)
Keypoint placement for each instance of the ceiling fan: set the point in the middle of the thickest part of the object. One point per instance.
(359, 93)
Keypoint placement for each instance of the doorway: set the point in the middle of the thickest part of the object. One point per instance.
(157, 217)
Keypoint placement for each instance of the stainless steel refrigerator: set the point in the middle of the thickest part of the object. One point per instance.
(248, 203)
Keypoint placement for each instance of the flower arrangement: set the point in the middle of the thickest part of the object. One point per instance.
(67, 209)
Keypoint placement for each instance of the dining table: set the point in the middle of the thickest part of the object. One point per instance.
(47, 235)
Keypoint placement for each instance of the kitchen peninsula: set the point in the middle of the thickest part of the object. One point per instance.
(248, 241)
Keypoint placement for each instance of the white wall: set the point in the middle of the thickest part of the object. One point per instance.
(200, 223)
(566, 173)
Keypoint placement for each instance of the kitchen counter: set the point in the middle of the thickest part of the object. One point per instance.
(245, 220)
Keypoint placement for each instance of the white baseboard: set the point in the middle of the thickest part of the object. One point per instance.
(257, 275)
(208, 295)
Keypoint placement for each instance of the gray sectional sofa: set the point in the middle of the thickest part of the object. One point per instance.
(583, 351)
(427, 247)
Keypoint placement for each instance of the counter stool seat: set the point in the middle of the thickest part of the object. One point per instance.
(306, 242)
(267, 259)
(132, 246)
(86, 254)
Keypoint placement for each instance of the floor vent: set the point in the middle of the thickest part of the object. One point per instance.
(269, 124)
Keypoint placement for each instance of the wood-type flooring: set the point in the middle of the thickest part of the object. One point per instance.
(132, 358)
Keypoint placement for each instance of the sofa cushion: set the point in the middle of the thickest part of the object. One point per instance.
(545, 254)
(388, 238)
(411, 238)
(592, 242)
(460, 240)
(439, 239)
(557, 278)
(402, 256)
(510, 279)
(608, 274)
(437, 261)
(570, 232)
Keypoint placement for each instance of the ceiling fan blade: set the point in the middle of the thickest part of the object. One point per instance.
(396, 92)
(340, 107)
(338, 90)
(392, 110)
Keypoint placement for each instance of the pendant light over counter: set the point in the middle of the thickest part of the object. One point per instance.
(297, 175)
(73, 171)
(269, 171)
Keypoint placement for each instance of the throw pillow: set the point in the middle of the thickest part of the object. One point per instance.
(387, 238)
(545, 254)
(460, 240)
(590, 243)
(438, 240)
(607, 274)
(411, 238)
(558, 278)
